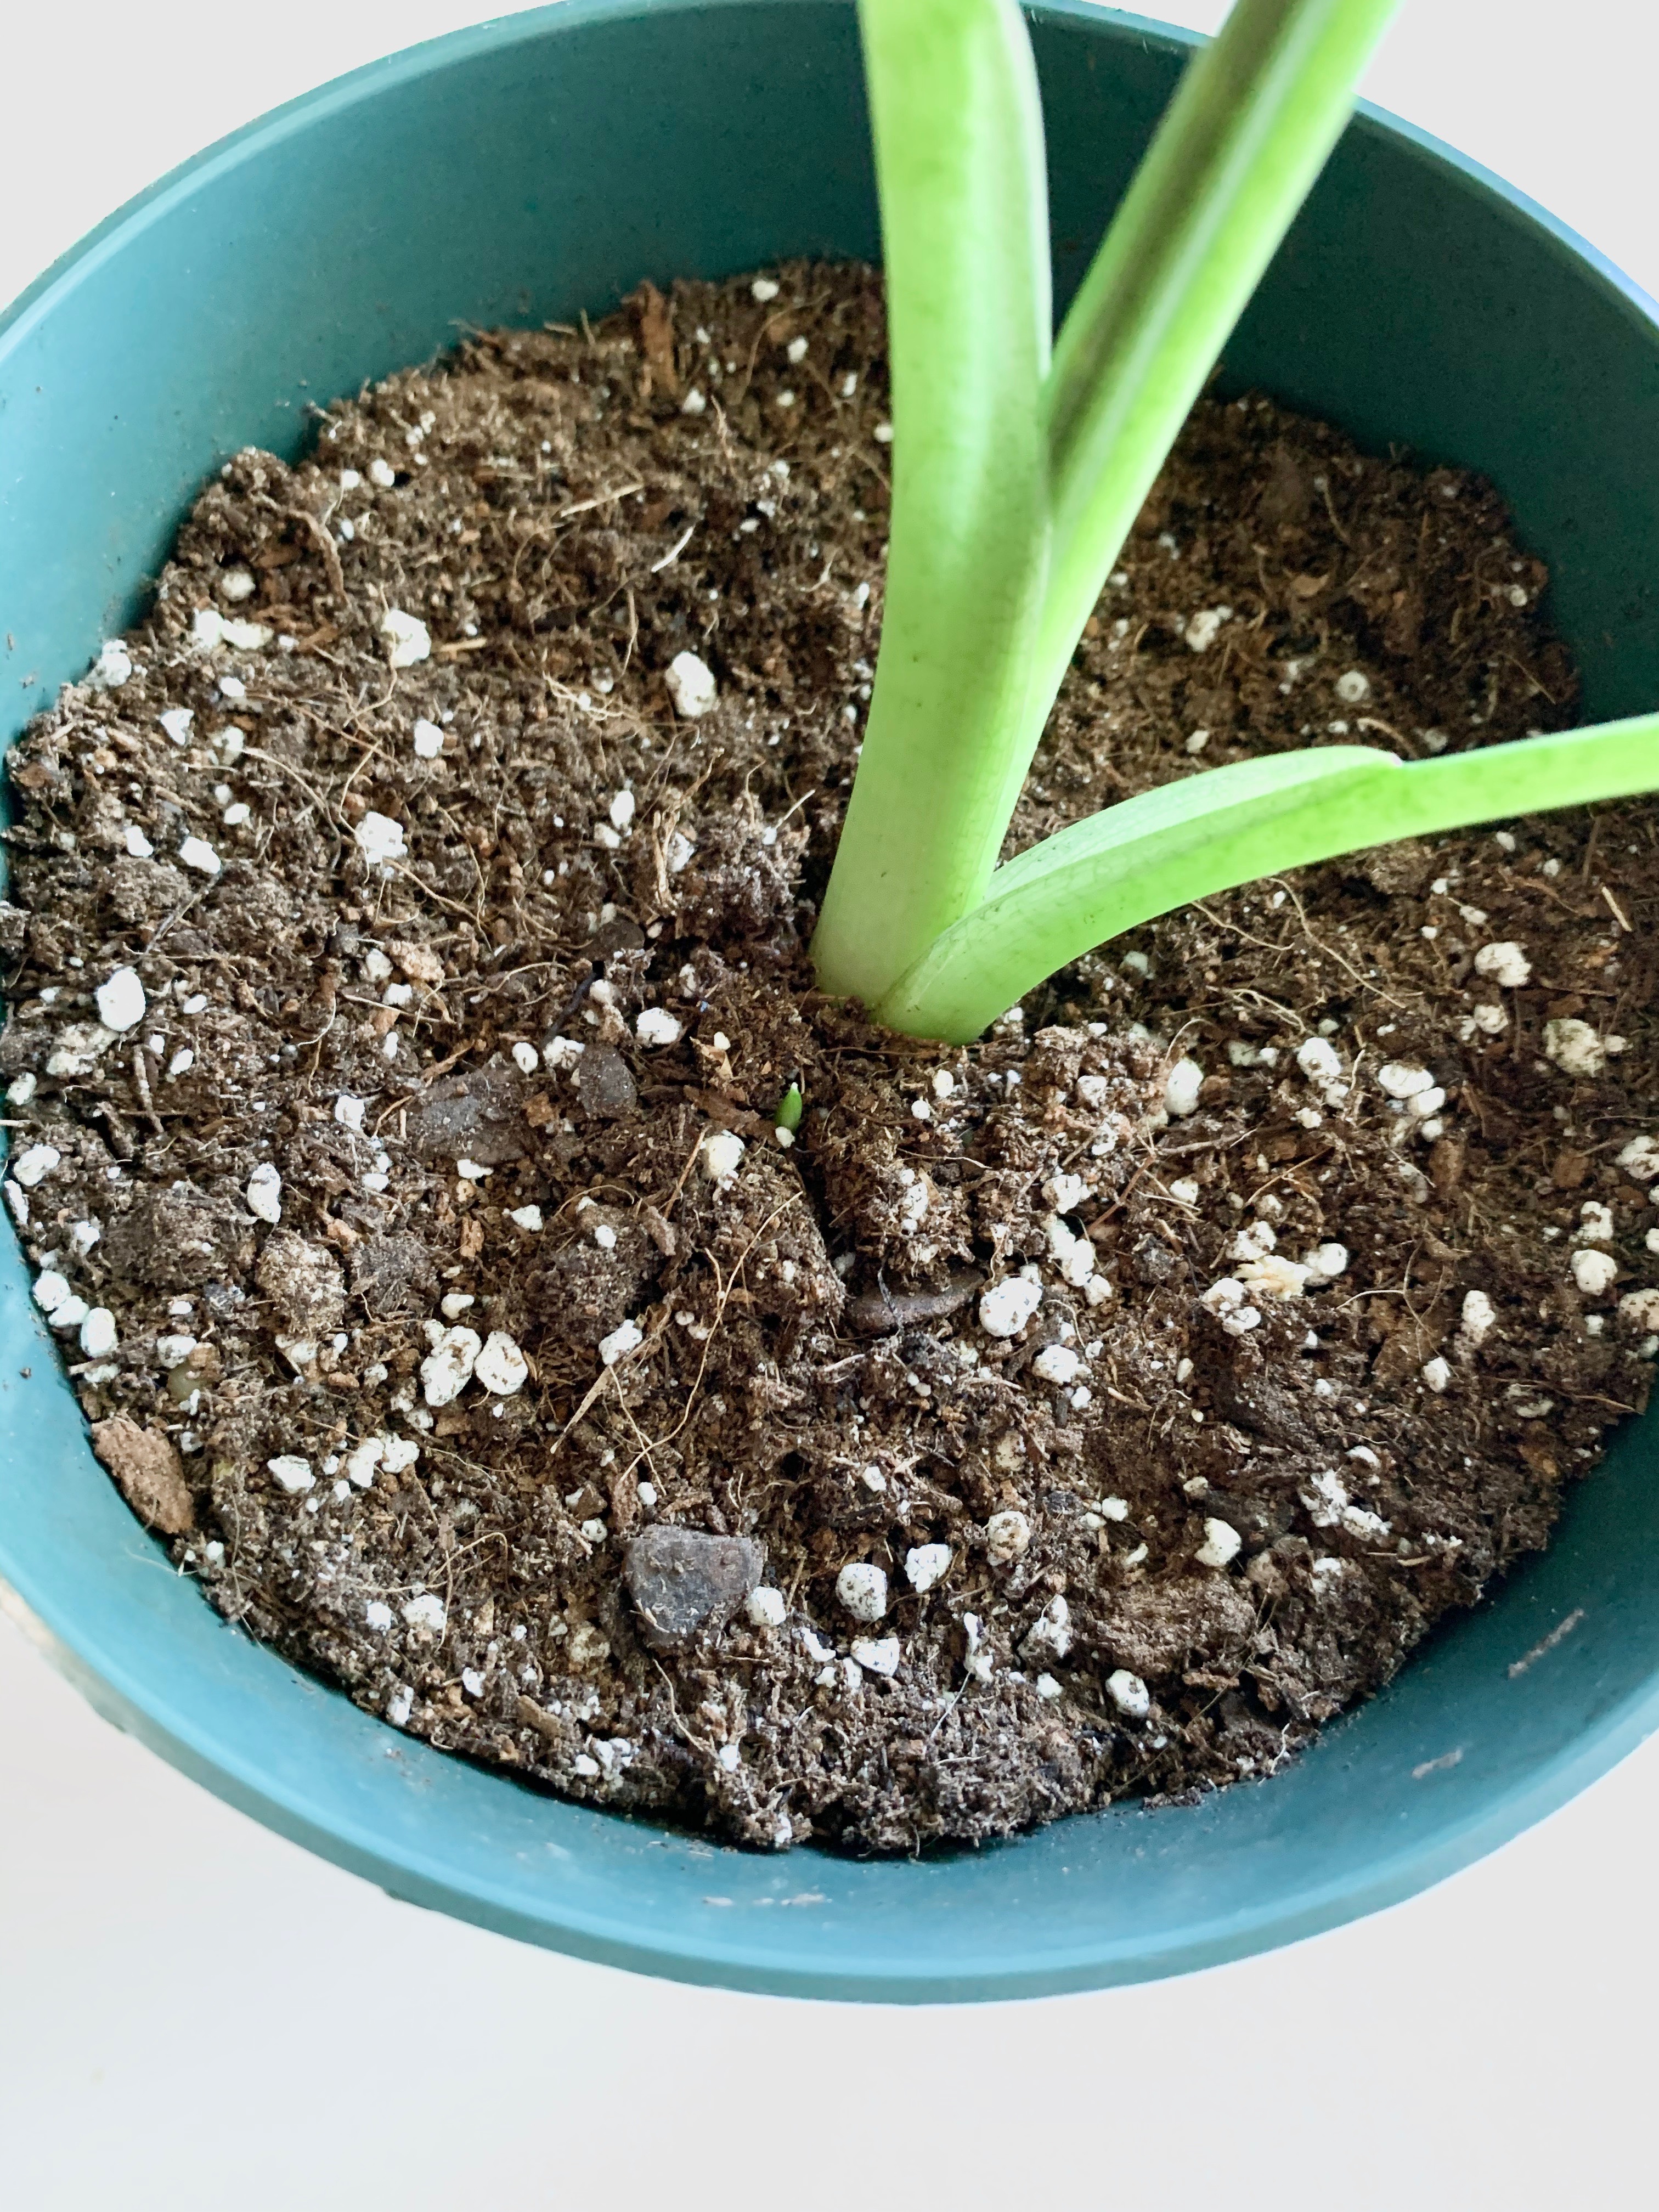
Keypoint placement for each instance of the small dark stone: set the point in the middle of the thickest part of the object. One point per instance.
(475, 1116)
(603, 1084)
(682, 1579)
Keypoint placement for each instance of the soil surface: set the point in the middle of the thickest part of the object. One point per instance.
(408, 983)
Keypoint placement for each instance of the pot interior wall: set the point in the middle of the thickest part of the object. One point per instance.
(523, 172)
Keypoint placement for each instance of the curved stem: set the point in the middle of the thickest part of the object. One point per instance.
(1212, 832)
(958, 140)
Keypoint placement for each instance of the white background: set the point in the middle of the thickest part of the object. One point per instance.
(193, 2014)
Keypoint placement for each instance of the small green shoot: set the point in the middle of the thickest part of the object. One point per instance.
(1017, 476)
(791, 1107)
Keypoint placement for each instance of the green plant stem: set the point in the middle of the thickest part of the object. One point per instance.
(1014, 485)
(1251, 125)
(958, 142)
(1210, 833)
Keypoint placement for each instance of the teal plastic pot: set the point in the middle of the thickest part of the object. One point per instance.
(546, 164)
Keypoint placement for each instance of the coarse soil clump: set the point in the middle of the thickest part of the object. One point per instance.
(408, 980)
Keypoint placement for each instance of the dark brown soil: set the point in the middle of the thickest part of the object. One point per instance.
(1201, 1500)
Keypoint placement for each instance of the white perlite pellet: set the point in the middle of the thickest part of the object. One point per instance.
(34, 1165)
(627, 1338)
(722, 1155)
(99, 1334)
(1640, 1159)
(877, 1655)
(925, 1564)
(861, 1587)
(1129, 1694)
(363, 1460)
(525, 1058)
(528, 1218)
(500, 1366)
(1068, 1192)
(293, 1472)
(1058, 1364)
(447, 1368)
(196, 852)
(1181, 1089)
(1595, 1272)
(765, 1607)
(1404, 1079)
(377, 1615)
(111, 668)
(1220, 1545)
(1319, 1060)
(120, 1000)
(428, 739)
(1577, 1049)
(379, 839)
(406, 637)
(691, 686)
(1477, 1319)
(1274, 1276)
(265, 1194)
(656, 1026)
(1005, 1308)
(1506, 964)
(426, 1612)
(1073, 1255)
(1049, 1636)
(1437, 1374)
